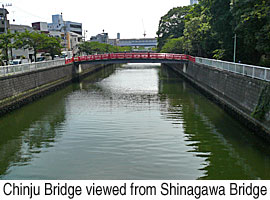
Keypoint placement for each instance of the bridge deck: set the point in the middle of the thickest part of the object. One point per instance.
(133, 58)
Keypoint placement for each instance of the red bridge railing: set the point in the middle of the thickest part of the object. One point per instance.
(121, 56)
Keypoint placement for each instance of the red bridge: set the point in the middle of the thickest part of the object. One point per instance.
(132, 58)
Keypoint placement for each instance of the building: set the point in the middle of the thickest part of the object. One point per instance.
(69, 32)
(4, 23)
(15, 28)
(194, 2)
(71, 42)
(147, 43)
(73, 39)
(141, 44)
(21, 53)
(74, 27)
(41, 26)
(113, 42)
(101, 38)
(58, 24)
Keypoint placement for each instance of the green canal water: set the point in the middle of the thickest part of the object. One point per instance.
(136, 121)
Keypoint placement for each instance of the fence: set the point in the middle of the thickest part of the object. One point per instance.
(262, 73)
(16, 69)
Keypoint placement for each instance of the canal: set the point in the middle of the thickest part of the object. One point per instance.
(136, 121)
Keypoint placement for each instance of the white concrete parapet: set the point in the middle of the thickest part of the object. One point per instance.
(21, 68)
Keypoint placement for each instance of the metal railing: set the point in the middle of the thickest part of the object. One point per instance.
(253, 71)
(21, 68)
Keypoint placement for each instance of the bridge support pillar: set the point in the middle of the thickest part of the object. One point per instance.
(78, 69)
(185, 68)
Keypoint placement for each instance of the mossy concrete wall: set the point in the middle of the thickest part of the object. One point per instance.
(17, 90)
(239, 95)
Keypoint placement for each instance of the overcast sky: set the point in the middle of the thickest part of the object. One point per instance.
(127, 17)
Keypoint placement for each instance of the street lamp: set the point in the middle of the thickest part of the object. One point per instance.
(84, 34)
(235, 36)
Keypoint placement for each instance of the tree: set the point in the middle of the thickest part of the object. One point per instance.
(221, 22)
(252, 28)
(172, 25)
(175, 45)
(209, 27)
(96, 47)
(198, 36)
(52, 45)
(6, 44)
(33, 40)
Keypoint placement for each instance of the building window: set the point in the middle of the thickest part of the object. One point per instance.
(75, 26)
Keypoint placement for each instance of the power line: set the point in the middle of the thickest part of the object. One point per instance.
(31, 14)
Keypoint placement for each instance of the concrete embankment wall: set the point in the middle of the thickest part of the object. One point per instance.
(17, 90)
(237, 94)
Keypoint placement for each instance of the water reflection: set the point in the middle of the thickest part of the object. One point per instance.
(26, 131)
(230, 151)
(29, 131)
(129, 122)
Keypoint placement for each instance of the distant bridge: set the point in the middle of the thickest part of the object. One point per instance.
(114, 58)
(262, 73)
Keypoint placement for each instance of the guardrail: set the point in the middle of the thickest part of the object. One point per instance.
(120, 56)
(21, 68)
(253, 71)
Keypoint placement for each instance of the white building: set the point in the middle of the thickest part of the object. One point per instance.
(101, 38)
(71, 42)
(40, 26)
(138, 42)
(194, 2)
(58, 24)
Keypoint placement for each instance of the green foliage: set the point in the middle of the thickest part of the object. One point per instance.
(96, 47)
(221, 21)
(175, 45)
(29, 40)
(172, 25)
(196, 34)
(52, 45)
(209, 28)
(219, 54)
(38, 41)
(253, 26)
(6, 44)
(263, 106)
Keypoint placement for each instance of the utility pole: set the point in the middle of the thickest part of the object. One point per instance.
(4, 11)
(84, 33)
(144, 32)
(235, 36)
(5, 15)
(234, 50)
(5, 24)
(65, 32)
